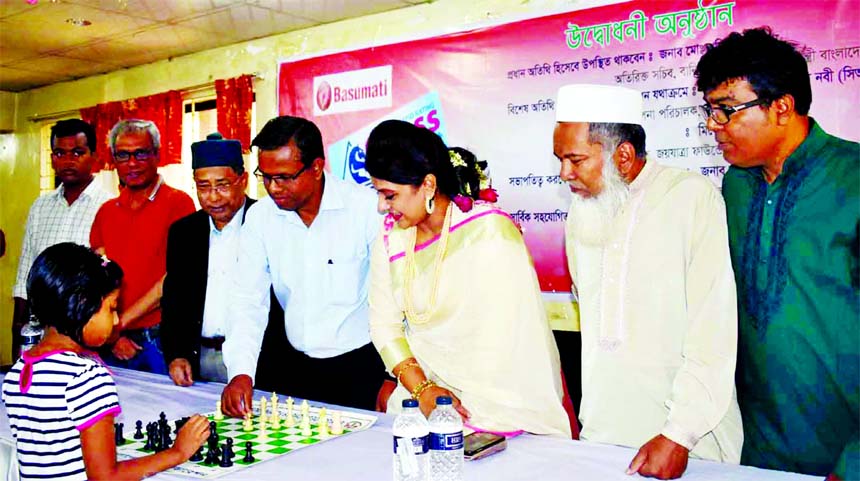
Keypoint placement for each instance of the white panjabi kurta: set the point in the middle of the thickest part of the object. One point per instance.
(659, 320)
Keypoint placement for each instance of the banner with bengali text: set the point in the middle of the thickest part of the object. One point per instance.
(492, 90)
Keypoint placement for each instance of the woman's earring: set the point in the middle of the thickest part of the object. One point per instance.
(429, 205)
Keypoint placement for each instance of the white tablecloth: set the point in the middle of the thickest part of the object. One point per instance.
(366, 455)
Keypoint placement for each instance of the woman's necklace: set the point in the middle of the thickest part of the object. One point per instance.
(423, 317)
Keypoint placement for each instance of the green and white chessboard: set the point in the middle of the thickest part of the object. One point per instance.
(270, 444)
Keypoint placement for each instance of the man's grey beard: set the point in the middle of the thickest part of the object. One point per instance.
(590, 219)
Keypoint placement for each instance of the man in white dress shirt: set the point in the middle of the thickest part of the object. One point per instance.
(310, 239)
(64, 215)
(647, 248)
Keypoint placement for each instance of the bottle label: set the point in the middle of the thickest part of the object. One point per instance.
(446, 441)
(420, 445)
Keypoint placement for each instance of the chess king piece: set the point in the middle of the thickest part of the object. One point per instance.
(290, 421)
(263, 406)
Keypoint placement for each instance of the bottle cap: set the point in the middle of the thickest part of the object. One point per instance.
(410, 403)
(444, 400)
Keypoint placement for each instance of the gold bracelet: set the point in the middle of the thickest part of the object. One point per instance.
(404, 369)
(420, 388)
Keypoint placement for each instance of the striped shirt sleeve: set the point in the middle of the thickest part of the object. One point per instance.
(90, 396)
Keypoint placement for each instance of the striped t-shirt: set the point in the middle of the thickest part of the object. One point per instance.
(65, 394)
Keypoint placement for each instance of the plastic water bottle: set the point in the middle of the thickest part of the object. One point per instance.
(411, 443)
(31, 334)
(446, 442)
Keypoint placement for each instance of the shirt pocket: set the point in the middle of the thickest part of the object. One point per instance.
(343, 278)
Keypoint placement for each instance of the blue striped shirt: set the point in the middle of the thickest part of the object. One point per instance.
(65, 395)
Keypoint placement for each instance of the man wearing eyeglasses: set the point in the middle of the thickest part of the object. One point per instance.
(132, 231)
(64, 215)
(793, 201)
(202, 253)
(310, 239)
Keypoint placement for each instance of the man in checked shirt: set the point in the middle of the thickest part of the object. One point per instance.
(64, 215)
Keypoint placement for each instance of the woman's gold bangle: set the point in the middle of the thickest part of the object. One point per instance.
(421, 387)
(404, 369)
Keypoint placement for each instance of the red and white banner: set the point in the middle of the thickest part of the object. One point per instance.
(492, 90)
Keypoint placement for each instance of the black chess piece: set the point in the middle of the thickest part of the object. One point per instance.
(166, 441)
(227, 454)
(118, 437)
(138, 433)
(249, 456)
(150, 438)
(198, 455)
(211, 457)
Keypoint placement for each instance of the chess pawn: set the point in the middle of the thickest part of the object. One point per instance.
(219, 416)
(336, 424)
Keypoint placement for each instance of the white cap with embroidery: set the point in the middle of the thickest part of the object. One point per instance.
(598, 103)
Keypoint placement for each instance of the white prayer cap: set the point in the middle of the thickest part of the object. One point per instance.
(598, 103)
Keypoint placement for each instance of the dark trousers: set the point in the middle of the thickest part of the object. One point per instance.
(351, 379)
(570, 351)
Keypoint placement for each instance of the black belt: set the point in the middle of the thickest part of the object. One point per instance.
(212, 342)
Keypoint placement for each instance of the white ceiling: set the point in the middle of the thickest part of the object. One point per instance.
(39, 47)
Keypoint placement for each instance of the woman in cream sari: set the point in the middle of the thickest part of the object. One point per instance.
(455, 307)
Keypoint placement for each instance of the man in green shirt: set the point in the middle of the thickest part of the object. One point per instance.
(793, 204)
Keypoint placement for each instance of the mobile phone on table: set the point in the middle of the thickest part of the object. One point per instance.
(481, 445)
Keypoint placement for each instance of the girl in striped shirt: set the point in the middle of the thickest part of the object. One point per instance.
(60, 401)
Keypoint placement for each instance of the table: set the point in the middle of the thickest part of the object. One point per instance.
(366, 455)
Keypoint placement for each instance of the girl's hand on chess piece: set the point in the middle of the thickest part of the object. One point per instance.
(192, 435)
(427, 401)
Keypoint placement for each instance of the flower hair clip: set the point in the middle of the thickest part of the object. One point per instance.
(456, 159)
(105, 261)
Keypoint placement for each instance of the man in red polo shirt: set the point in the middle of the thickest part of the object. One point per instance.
(132, 230)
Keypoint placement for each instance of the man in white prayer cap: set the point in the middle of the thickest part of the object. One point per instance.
(648, 253)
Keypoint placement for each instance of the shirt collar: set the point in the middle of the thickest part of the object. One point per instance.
(641, 180)
(234, 224)
(91, 189)
(807, 150)
(332, 198)
(124, 192)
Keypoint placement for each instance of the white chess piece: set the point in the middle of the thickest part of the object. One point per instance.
(323, 424)
(276, 419)
(306, 420)
(263, 406)
(290, 421)
(247, 425)
(336, 424)
(219, 416)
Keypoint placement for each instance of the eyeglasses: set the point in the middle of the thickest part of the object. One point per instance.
(722, 113)
(222, 188)
(122, 156)
(75, 154)
(279, 179)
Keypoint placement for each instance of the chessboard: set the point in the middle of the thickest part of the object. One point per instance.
(245, 448)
